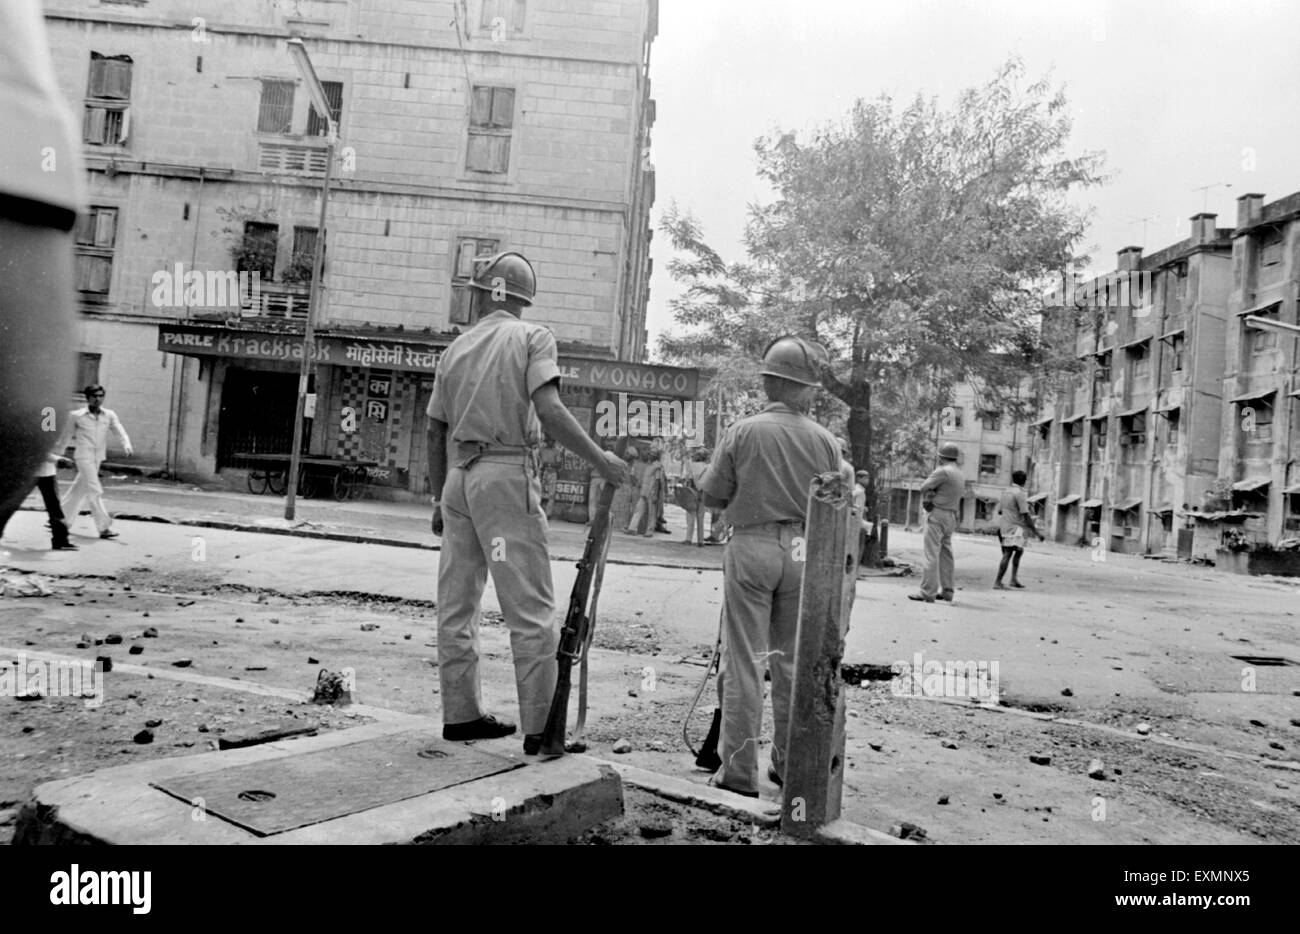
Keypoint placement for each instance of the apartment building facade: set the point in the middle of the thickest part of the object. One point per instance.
(1126, 447)
(1259, 456)
(993, 444)
(465, 127)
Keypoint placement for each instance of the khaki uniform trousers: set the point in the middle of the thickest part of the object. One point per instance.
(493, 520)
(87, 487)
(760, 620)
(937, 577)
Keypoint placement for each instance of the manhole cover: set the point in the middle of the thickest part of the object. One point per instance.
(1265, 661)
(307, 788)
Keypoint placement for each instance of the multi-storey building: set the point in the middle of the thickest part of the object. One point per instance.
(993, 444)
(1259, 456)
(1126, 447)
(464, 127)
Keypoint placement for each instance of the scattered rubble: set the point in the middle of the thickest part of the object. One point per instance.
(1097, 770)
(1040, 758)
(144, 737)
(622, 746)
(183, 663)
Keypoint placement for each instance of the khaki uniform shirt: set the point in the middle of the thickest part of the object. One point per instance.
(948, 485)
(766, 463)
(486, 379)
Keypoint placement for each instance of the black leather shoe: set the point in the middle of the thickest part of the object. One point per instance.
(485, 727)
(946, 595)
(108, 534)
(63, 546)
(532, 744)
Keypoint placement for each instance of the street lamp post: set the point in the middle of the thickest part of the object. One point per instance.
(321, 102)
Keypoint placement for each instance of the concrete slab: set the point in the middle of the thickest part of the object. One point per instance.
(542, 802)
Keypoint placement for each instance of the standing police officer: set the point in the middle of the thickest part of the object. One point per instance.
(940, 496)
(761, 472)
(496, 385)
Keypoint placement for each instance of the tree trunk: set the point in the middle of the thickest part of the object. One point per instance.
(860, 430)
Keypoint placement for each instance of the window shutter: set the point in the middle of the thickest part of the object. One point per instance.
(275, 111)
(499, 153)
(480, 113)
(503, 107)
(95, 86)
(117, 78)
(105, 228)
(92, 127)
(460, 304)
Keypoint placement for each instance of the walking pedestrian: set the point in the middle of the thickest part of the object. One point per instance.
(648, 498)
(47, 481)
(497, 385)
(1014, 520)
(761, 473)
(87, 430)
(940, 496)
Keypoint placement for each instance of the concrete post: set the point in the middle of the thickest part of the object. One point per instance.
(814, 771)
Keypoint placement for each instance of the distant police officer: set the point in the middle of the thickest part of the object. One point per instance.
(761, 472)
(940, 495)
(496, 385)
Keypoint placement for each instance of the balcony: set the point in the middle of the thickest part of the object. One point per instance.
(276, 300)
(291, 159)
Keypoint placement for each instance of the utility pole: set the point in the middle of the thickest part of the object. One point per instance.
(321, 102)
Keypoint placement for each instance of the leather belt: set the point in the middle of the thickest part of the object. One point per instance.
(468, 452)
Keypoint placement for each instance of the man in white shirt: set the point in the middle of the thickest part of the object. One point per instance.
(88, 429)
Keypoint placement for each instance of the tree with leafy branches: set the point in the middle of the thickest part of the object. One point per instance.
(913, 243)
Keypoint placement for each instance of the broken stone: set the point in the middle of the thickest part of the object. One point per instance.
(1274, 744)
(1258, 723)
(331, 688)
(135, 650)
(578, 746)
(876, 747)
(312, 661)
(369, 627)
(943, 799)
(1066, 692)
(407, 636)
(854, 714)
(949, 745)
(105, 661)
(622, 746)
(145, 613)
(203, 728)
(144, 737)
(83, 645)
(239, 619)
(183, 662)
(908, 831)
(631, 693)
(1097, 770)
(998, 795)
(152, 723)
(255, 668)
(1040, 758)
(1144, 729)
(653, 830)
(150, 633)
(113, 638)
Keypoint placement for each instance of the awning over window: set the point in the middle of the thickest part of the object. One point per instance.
(1262, 307)
(1038, 497)
(1091, 503)
(1137, 340)
(1253, 395)
(1169, 407)
(1130, 412)
(1293, 488)
(1068, 500)
(1170, 335)
(1128, 505)
(1251, 483)
(1041, 422)
(1074, 418)
(1162, 510)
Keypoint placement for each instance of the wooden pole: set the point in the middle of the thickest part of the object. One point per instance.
(814, 769)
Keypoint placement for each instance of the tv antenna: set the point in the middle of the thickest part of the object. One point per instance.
(1205, 192)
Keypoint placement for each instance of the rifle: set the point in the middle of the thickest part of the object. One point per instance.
(580, 620)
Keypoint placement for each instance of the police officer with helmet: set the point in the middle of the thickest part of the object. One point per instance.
(940, 496)
(761, 472)
(496, 386)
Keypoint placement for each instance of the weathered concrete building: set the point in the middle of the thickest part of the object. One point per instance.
(1126, 447)
(1259, 457)
(993, 444)
(465, 127)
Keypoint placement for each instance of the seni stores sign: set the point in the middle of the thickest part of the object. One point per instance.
(422, 357)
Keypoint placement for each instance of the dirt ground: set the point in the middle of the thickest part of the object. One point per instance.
(961, 772)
